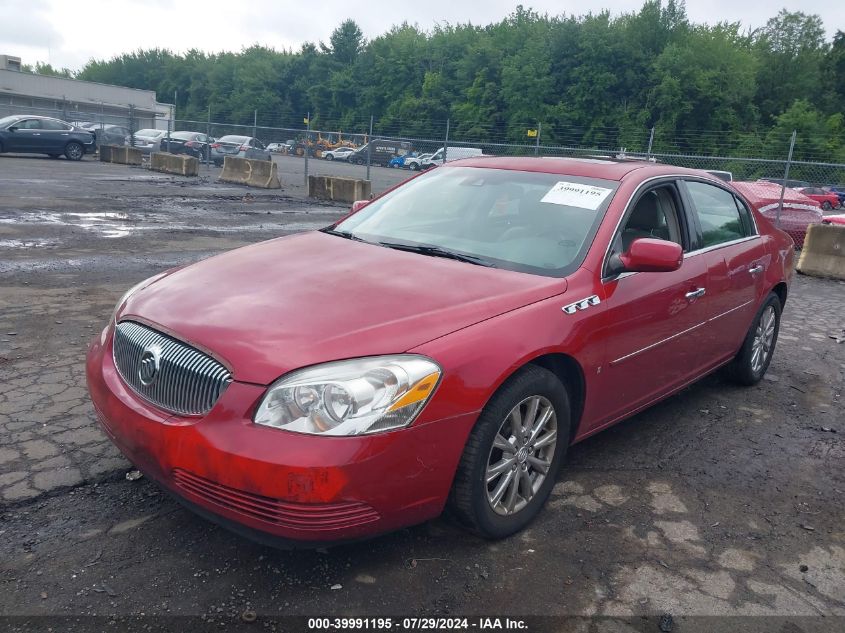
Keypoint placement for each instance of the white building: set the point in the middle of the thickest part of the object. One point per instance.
(74, 100)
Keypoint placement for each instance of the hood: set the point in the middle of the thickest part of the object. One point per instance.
(303, 299)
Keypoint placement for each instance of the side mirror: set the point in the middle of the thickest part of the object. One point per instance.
(359, 204)
(647, 255)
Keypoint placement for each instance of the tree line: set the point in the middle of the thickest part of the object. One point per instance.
(590, 80)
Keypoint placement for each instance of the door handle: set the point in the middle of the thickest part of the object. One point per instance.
(695, 294)
(756, 269)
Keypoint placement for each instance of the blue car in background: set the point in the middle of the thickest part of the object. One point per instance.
(397, 162)
(840, 192)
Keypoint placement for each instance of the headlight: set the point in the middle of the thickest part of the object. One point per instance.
(351, 397)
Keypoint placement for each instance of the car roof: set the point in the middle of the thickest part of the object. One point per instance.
(604, 168)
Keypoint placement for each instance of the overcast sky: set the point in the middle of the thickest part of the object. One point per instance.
(69, 33)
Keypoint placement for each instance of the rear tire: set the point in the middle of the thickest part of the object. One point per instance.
(74, 151)
(504, 477)
(826, 205)
(751, 362)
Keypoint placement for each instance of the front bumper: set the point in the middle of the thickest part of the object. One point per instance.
(287, 487)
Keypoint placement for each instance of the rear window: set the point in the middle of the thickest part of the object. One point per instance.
(183, 136)
(234, 139)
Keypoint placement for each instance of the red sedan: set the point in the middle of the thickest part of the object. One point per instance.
(827, 199)
(443, 344)
(797, 213)
(834, 219)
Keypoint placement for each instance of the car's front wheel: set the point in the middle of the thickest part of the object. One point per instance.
(750, 364)
(413, 167)
(826, 205)
(328, 156)
(513, 454)
(74, 151)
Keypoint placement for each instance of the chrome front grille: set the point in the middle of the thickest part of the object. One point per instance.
(166, 372)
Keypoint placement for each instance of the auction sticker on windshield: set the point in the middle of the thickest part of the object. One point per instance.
(573, 194)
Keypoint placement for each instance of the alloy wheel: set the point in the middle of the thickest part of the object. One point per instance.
(764, 335)
(521, 456)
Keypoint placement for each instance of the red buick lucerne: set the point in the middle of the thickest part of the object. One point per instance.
(444, 344)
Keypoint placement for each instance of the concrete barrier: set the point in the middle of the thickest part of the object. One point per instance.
(174, 164)
(120, 154)
(338, 189)
(253, 173)
(823, 254)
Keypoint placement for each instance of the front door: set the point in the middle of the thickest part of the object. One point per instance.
(653, 322)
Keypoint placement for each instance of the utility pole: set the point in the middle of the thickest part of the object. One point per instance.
(255, 124)
(208, 139)
(537, 141)
(650, 143)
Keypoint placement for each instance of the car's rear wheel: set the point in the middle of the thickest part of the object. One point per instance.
(750, 364)
(74, 151)
(826, 205)
(513, 455)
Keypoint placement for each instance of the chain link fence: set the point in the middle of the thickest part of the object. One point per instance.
(413, 144)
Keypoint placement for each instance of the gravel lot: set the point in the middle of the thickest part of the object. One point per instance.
(720, 501)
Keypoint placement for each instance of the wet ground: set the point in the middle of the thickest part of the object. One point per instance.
(720, 501)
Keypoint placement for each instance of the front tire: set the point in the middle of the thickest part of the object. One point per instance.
(513, 455)
(826, 205)
(74, 151)
(750, 364)
(328, 156)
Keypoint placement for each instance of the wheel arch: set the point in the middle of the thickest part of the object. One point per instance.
(781, 291)
(568, 370)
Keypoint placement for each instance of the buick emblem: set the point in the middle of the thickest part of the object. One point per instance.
(149, 365)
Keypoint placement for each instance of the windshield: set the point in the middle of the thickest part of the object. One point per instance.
(531, 222)
(148, 132)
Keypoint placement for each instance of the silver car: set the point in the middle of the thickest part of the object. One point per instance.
(240, 146)
(148, 140)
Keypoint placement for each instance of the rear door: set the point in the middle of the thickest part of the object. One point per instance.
(736, 262)
(54, 136)
(654, 320)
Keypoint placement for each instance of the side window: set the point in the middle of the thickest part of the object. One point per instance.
(718, 214)
(29, 124)
(655, 215)
(49, 124)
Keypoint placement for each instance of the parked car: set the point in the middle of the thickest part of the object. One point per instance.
(277, 148)
(329, 385)
(827, 199)
(794, 184)
(341, 153)
(840, 192)
(834, 219)
(194, 144)
(148, 140)
(414, 163)
(108, 134)
(449, 154)
(238, 146)
(798, 210)
(27, 134)
(381, 151)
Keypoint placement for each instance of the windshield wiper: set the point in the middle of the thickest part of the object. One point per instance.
(345, 234)
(435, 251)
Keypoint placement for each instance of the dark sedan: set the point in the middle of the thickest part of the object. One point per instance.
(192, 143)
(42, 135)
